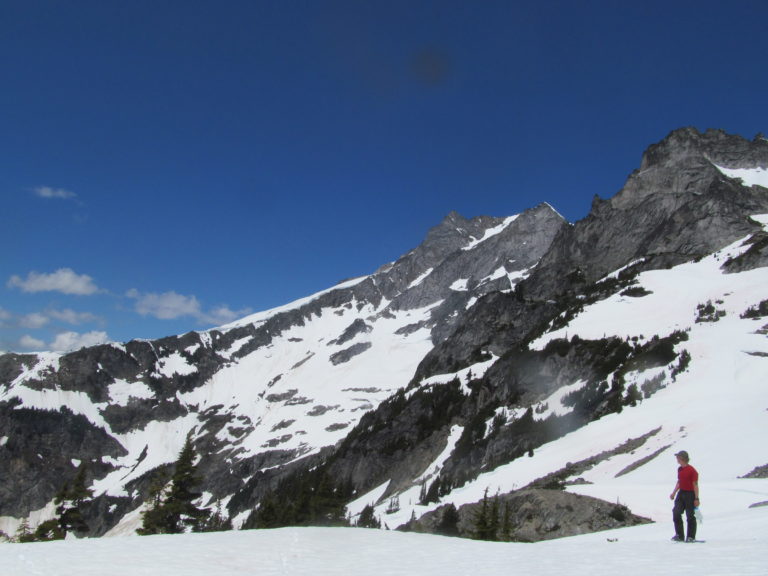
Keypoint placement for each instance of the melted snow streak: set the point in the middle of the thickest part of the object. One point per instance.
(735, 546)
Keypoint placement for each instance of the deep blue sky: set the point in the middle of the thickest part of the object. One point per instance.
(169, 165)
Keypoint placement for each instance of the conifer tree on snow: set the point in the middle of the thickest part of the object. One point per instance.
(367, 518)
(179, 507)
(69, 505)
(23, 533)
(483, 520)
(172, 510)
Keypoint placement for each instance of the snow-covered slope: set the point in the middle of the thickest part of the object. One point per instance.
(735, 545)
(271, 388)
(716, 409)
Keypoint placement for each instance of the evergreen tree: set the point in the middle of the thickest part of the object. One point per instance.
(449, 523)
(445, 486)
(179, 505)
(217, 521)
(367, 518)
(152, 517)
(48, 530)
(69, 505)
(483, 520)
(433, 492)
(633, 395)
(423, 493)
(394, 505)
(172, 510)
(493, 519)
(23, 533)
(506, 524)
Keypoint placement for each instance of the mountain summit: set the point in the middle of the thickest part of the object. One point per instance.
(477, 360)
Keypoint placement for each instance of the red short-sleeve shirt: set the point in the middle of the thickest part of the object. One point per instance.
(687, 476)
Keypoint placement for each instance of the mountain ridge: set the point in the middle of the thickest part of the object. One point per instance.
(299, 386)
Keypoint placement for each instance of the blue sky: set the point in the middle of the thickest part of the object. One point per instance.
(168, 166)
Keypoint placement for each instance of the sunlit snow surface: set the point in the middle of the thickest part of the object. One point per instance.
(749, 176)
(735, 546)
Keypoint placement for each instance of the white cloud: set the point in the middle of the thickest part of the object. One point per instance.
(64, 280)
(29, 343)
(68, 341)
(166, 306)
(170, 305)
(34, 321)
(58, 193)
(72, 317)
(223, 315)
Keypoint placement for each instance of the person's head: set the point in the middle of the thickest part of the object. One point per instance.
(682, 457)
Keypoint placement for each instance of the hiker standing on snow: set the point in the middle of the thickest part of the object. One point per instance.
(687, 491)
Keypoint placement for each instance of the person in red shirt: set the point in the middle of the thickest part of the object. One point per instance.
(686, 497)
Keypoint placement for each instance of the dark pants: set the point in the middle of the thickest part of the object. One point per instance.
(684, 502)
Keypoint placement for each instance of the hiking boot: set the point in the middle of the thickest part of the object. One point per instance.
(676, 538)
(690, 539)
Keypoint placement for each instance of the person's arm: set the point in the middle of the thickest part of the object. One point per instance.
(696, 493)
(677, 487)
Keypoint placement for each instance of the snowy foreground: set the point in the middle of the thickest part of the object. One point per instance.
(736, 545)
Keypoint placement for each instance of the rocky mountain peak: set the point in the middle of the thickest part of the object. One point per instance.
(716, 146)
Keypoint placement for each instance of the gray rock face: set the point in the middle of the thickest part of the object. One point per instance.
(39, 452)
(486, 268)
(678, 206)
(536, 515)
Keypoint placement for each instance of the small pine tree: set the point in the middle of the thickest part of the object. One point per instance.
(433, 492)
(446, 485)
(449, 523)
(367, 518)
(23, 533)
(506, 524)
(152, 517)
(493, 519)
(482, 520)
(423, 493)
(217, 521)
(49, 530)
(633, 396)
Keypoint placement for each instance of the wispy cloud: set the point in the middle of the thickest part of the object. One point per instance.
(165, 306)
(171, 305)
(64, 341)
(72, 317)
(54, 193)
(68, 341)
(37, 320)
(34, 321)
(29, 343)
(64, 280)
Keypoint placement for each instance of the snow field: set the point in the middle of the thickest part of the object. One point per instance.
(735, 546)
